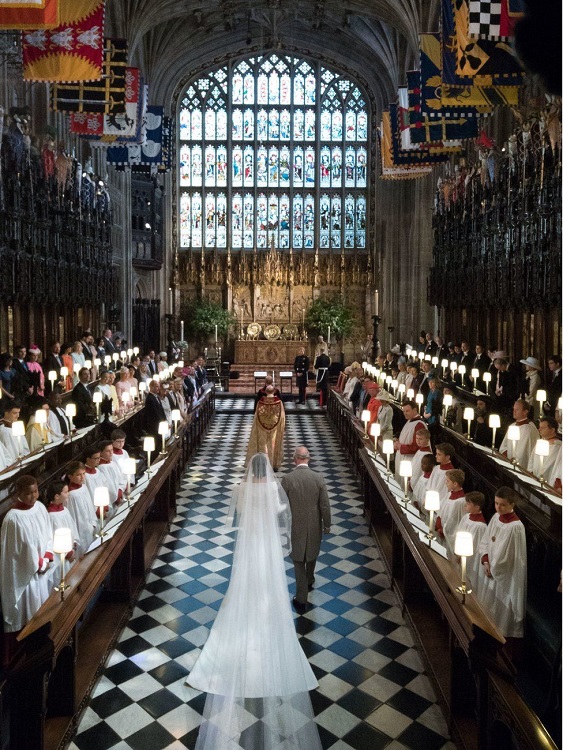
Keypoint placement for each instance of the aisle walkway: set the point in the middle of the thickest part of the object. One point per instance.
(372, 689)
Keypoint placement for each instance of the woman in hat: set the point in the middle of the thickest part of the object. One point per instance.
(385, 415)
(532, 378)
(36, 375)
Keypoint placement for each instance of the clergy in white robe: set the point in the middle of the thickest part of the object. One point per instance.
(14, 446)
(474, 522)
(437, 482)
(38, 434)
(26, 553)
(451, 510)
(116, 481)
(502, 588)
(523, 448)
(58, 422)
(405, 446)
(118, 441)
(81, 507)
(5, 459)
(548, 467)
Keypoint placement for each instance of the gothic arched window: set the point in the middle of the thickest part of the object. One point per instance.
(273, 149)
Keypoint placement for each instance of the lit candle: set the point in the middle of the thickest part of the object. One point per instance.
(170, 298)
(402, 388)
(446, 403)
(463, 548)
(376, 302)
(328, 339)
(494, 424)
(135, 350)
(181, 330)
(142, 390)
(410, 394)
(215, 335)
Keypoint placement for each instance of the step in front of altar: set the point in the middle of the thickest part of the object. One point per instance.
(244, 383)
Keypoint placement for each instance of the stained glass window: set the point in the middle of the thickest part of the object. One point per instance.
(273, 149)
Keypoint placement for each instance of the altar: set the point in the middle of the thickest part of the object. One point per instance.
(263, 352)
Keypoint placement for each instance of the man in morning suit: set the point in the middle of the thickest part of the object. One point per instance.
(81, 396)
(153, 413)
(310, 518)
(301, 369)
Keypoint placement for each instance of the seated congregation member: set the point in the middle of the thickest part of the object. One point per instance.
(437, 482)
(452, 509)
(37, 434)
(405, 445)
(26, 554)
(474, 522)
(153, 413)
(481, 433)
(385, 415)
(422, 438)
(420, 484)
(59, 516)
(13, 446)
(36, 376)
(58, 422)
(550, 469)
(81, 506)
(502, 587)
(524, 448)
(82, 398)
(268, 380)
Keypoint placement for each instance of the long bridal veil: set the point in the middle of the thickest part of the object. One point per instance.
(252, 667)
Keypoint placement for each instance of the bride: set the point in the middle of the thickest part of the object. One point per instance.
(252, 667)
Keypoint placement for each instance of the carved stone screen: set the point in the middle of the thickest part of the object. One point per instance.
(273, 152)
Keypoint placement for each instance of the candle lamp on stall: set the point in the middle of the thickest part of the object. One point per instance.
(494, 424)
(487, 377)
(62, 545)
(542, 450)
(76, 367)
(18, 431)
(453, 368)
(107, 360)
(97, 398)
(394, 386)
(435, 361)
(469, 416)
(401, 388)
(405, 471)
(419, 399)
(41, 420)
(513, 435)
(135, 350)
(388, 450)
(176, 418)
(421, 356)
(101, 501)
(366, 416)
(541, 398)
(125, 399)
(445, 365)
(129, 468)
(115, 357)
(446, 403)
(70, 411)
(388, 381)
(375, 432)
(52, 378)
(475, 376)
(97, 362)
(462, 370)
(463, 548)
(149, 447)
(163, 431)
(142, 391)
(410, 394)
(133, 393)
(432, 505)
(64, 374)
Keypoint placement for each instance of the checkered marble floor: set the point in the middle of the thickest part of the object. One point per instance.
(373, 692)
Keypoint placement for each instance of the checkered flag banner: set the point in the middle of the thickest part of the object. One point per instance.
(484, 18)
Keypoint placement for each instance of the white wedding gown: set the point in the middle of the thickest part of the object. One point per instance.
(252, 651)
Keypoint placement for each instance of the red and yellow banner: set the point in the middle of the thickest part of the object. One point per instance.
(73, 51)
(29, 14)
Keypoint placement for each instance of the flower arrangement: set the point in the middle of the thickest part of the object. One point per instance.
(202, 316)
(331, 312)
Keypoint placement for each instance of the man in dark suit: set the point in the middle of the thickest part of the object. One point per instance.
(310, 518)
(190, 383)
(554, 387)
(301, 370)
(22, 382)
(53, 363)
(82, 398)
(108, 341)
(201, 372)
(481, 362)
(153, 413)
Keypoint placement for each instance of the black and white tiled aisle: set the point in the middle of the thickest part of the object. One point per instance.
(372, 692)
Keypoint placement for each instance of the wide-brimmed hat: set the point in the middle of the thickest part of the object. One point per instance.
(501, 354)
(396, 349)
(531, 362)
(383, 396)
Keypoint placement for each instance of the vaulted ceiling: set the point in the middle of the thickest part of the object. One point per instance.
(169, 39)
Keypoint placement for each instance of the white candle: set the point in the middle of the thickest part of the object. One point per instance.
(215, 335)
(376, 302)
(181, 330)
(328, 339)
(171, 298)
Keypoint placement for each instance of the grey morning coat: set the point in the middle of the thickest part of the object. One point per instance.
(310, 511)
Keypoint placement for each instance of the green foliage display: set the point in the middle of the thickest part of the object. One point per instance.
(330, 312)
(203, 315)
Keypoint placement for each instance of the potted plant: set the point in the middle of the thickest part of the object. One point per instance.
(204, 319)
(330, 312)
